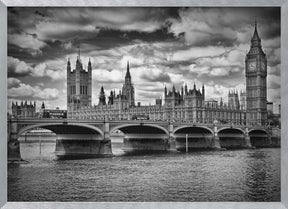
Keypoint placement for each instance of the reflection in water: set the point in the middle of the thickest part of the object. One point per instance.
(238, 175)
(262, 177)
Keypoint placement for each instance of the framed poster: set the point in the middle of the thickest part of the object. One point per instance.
(143, 104)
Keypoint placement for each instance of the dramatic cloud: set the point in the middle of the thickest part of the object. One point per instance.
(165, 46)
(13, 82)
(27, 42)
(50, 69)
(221, 26)
(27, 92)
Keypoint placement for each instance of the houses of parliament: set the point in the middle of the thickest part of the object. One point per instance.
(183, 105)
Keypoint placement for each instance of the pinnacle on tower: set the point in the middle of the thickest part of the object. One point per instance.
(43, 105)
(255, 35)
(128, 70)
(256, 41)
(68, 65)
(79, 51)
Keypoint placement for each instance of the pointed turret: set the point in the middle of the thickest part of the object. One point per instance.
(256, 47)
(43, 105)
(203, 91)
(255, 36)
(128, 76)
(89, 65)
(102, 98)
(78, 61)
(111, 98)
(68, 65)
(128, 70)
(173, 89)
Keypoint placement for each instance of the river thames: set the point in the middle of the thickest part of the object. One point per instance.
(236, 175)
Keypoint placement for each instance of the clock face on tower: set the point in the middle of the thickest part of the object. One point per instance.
(251, 66)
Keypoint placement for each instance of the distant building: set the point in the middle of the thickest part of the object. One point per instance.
(270, 108)
(24, 109)
(233, 99)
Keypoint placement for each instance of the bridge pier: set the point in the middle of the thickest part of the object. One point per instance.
(247, 139)
(83, 143)
(171, 138)
(215, 139)
(105, 146)
(13, 143)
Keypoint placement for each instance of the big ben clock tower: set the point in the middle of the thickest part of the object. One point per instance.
(256, 82)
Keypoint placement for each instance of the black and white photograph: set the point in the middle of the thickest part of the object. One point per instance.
(143, 104)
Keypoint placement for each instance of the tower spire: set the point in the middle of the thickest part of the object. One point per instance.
(79, 51)
(255, 47)
(255, 36)
(128, 76)
(128, 69)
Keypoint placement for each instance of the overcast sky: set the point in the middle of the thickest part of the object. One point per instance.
(164, 46)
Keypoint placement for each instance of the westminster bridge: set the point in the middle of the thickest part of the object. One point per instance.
(90, 138)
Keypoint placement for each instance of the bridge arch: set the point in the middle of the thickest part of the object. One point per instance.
(240, 129)
(143, 138)
(231, 137)
(256, 129)
(75, 140)
(187, 126)
(60, 128)
(194, 137)
(259, 138)
(144, 127)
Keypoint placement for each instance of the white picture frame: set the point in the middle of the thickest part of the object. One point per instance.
(167, 205)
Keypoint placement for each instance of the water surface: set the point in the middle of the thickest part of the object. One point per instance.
(238, 175)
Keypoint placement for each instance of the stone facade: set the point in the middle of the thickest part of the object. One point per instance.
(79, 85)
(24, 110)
